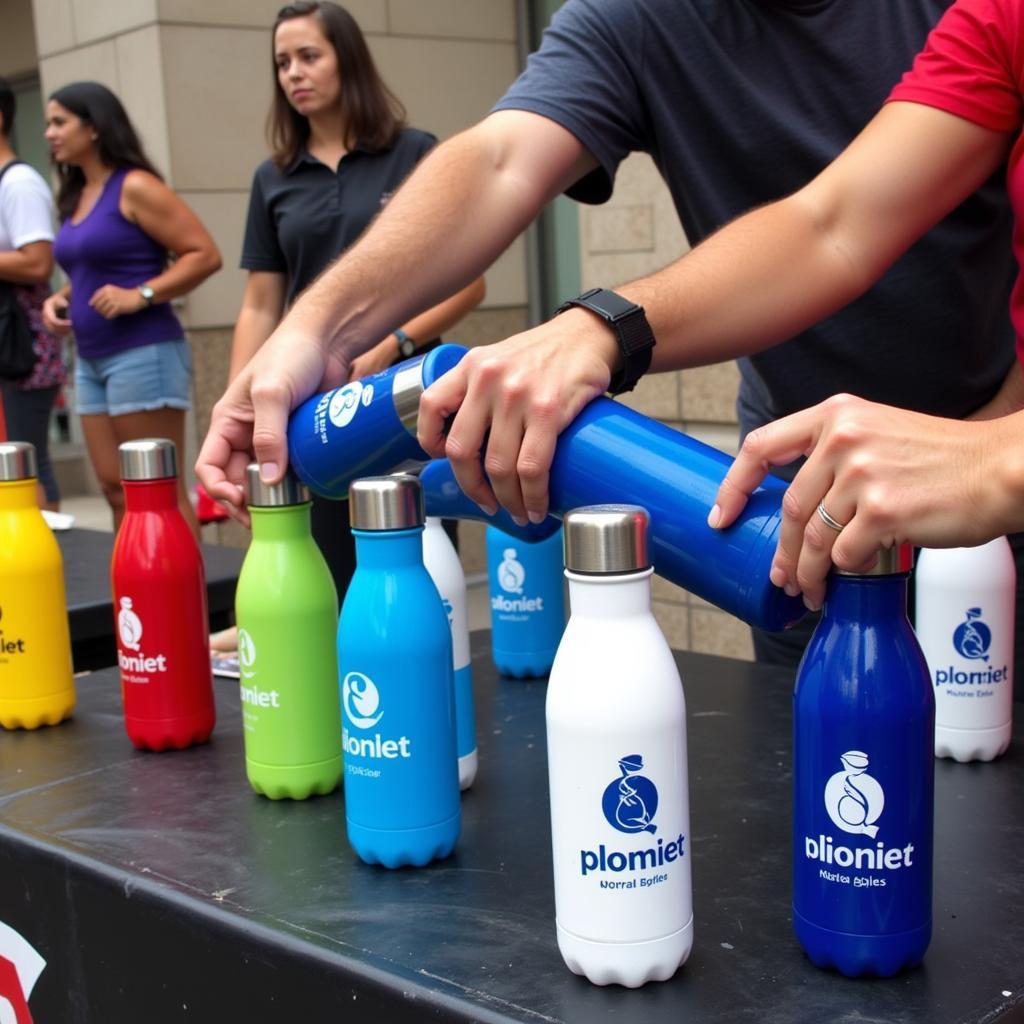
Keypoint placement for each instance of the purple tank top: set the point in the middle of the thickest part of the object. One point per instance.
(106, 248)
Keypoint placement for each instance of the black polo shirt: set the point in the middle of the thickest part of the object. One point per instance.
(302, 218)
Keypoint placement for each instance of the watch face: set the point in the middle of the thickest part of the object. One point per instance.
(406, 348)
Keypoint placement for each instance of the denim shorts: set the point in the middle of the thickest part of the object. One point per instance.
(140, 379)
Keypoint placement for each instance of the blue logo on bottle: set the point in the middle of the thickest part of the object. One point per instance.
(361, 700)
(630, 802)
(972, 638)
(853, 799)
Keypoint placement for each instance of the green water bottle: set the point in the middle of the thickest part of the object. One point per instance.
(287, 613)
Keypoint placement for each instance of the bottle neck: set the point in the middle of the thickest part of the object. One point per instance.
(389, 549)
(287, 522)
(18, 494)
(610, 597)
(862, 598)
(150, 495)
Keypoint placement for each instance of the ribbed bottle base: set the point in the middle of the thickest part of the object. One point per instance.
(159, 734)
(524, 664)
(294, 782)
(467, 769)
(404, 848)
(631, 964)
(36, 712)
(972, 744)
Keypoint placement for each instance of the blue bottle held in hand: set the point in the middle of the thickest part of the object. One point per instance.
(397, 686)
(527, 602)
(863, 735)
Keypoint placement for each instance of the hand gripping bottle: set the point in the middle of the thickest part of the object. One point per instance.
(863, 731)
(442, 562)
(965, 602)
(36, 679)
(287, 613)
(527, 602)
(397, 686)
(616, 722)
(159, 586)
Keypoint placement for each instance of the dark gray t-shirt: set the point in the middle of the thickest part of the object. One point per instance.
(740, 102)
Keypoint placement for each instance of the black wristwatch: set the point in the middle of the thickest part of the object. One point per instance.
(406, 346)
(634, 334)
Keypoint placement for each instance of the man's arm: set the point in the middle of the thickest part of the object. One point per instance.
(462, 206)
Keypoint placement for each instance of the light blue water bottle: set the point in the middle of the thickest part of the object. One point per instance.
(863, 730)
(527, 602)
(397, 686)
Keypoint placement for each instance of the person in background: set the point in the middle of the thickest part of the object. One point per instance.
(341, 148)
(738, 102)
(26, 262)
(119, 224)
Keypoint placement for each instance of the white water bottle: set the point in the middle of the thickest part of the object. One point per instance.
(965, 599)
(616, 725)
(442, 562)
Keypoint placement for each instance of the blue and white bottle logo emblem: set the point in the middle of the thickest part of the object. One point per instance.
(246, 653)
(448, 610)
(972, 638)
(631, 802)
(511, 574)
(129, 625)
(346, 400)
(361, 700)
(853, 799)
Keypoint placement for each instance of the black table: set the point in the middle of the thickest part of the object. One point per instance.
(159, 888)
(90, 605)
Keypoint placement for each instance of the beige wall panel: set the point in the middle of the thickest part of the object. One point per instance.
(97, 19)
(216, 301)
(709, 393)
(218, 87)
(140, 73)
(17, 38)
(447, 85)
(371, 14)
(506, 278)
(656, 395)
(97, 63)
(715, 632)
(460, 19)
(54, 26)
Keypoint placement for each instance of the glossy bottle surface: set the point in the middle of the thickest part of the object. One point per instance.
(527, 602)
(965, 605)
(442, 562)
(398, 705)
(36, 677)
(287, 614)
(620, 834)
(863, 721)
(161, 624)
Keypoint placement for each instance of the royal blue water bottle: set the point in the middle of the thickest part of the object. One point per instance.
(863, 733)
(397, 686)
(527, 602)
(609, 453)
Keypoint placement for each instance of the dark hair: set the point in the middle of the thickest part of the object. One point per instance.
(8, 108)
(373, 114)
(118, 143)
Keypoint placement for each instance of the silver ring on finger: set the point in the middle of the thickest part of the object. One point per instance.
(828, 520)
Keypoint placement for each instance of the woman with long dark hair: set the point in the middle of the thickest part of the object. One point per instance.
(128, 245)
(340, 148)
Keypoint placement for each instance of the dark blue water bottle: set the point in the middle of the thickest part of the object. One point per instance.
(527, 602)
(863, 735)
(397, 686)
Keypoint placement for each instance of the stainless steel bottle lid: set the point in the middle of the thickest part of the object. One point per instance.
(891, 562)
(18, 461)
(153, 458)
(406, 389)
(289, 491)
(606, 539)
(386, 503)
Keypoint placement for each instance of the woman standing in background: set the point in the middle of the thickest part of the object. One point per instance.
(119, 225)
(340, 149)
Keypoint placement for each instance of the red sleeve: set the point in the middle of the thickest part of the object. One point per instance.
(972, 64)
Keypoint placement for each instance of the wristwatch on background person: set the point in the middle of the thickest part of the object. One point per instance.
(632, 331)
(147, 294)
(406, 346)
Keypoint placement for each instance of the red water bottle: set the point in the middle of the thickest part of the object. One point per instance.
(159, 586)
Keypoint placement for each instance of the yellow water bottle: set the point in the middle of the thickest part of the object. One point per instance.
(36, 679)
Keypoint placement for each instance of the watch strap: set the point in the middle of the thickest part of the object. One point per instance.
(632, 331)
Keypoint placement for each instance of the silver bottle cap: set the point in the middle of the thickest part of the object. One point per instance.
(891, 562)
(289, 491)
(406, 389)
(386, 503)
(606, 539)
(18, 461)
(153, 458)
